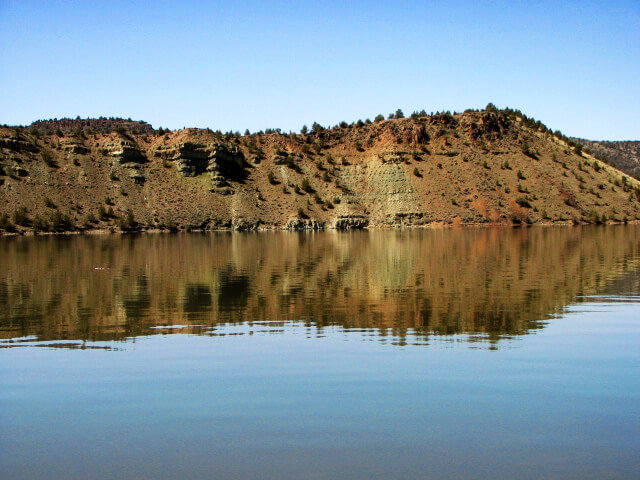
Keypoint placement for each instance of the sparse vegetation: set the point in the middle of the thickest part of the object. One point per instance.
(47, 158)
(21, 217)
(324, 157)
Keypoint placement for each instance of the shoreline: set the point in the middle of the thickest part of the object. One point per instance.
(433, 225)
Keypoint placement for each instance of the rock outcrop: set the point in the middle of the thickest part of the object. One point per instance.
(479, 167)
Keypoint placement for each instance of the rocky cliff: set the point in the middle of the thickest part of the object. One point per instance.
(477, 167)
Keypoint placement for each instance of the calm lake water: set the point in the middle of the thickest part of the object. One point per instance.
(471, 353)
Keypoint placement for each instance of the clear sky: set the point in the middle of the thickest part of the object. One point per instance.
(257, 64)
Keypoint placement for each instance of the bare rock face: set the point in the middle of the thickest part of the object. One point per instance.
(193, 159)
(75, 148)
(226, 165)
(125, 152)
(406, 219)
(351, 222)
(296, 224)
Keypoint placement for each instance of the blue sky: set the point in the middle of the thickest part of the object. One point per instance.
(252, 64)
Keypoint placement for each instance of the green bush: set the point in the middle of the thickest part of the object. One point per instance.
(102, 213)
(48, 159)
(20, 217)
(127, 222)
(306, 185)
(6, 224)
(40, 224)
(526, 149)
(523, 202)
(60, 222)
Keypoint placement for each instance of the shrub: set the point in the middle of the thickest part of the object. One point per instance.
(48, 203)
(526, 149)
(60, 222)
(272, 179)
(521, 175)
(171, 225)
(102, 213)
(306, 186)
(378, 118)
(40, 224)
(48, 159)
(416, 172)
(578, 149)
(20, 217)
(6, 224)
(523, 202)
(127, 222)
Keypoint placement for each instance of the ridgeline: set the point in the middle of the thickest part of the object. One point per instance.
(478, 167)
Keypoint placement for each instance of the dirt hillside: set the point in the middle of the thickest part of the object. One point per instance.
(478, 167)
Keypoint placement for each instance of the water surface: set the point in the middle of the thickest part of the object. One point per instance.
(473, 353)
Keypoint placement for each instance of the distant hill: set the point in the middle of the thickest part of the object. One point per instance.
(624, 155)
(72, 126)
(478, 167)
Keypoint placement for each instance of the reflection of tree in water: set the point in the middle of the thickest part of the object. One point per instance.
(494, 282)
(197, 299)
(233, 294)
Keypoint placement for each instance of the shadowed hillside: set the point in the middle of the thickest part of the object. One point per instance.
(478, 167)
(624, 155)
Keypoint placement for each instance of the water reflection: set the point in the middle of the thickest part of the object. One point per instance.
(486, 283)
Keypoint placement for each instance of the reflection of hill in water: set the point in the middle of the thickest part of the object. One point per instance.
(491, 281)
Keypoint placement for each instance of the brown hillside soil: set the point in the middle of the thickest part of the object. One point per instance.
(471, 168)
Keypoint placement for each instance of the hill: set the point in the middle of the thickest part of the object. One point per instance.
(624, 155)
(477, 167)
